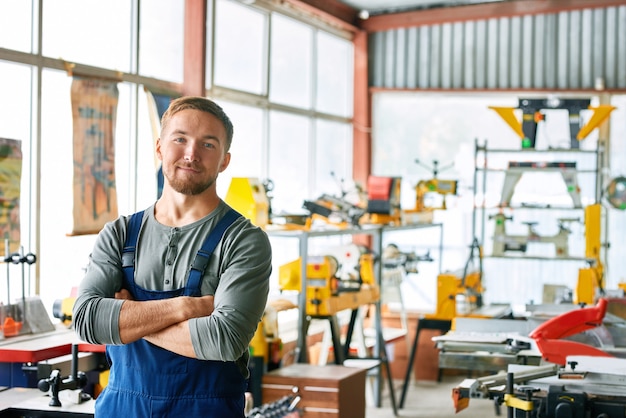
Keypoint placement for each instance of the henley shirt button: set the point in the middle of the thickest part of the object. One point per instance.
(169, 262)
(167, 282)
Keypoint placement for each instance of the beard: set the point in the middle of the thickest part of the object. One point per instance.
(185, 185)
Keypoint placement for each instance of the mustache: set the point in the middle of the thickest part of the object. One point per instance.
(190, 165)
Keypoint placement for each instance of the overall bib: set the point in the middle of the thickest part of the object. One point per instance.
(148, 381)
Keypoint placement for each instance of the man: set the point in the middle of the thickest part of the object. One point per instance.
(176, 292)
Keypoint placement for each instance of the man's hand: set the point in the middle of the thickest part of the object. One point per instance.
(192, 307)
(141, 318)
(176, 338)
(200, 306)
(124, 294)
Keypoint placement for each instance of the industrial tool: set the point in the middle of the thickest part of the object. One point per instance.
(266, 348)
(550, 336)
(285, 407)
(582, 375)
(62, 309)
(344, 279)
(504, 242)
(55, 383)
(334, 210)
(496, 386)
(248, 196)
(383, 200)
(532, 115)
(591, 283)
(13, 316)
(338, 211)
(587, 387)
(460, 292)
(616, 192)
(516, 170)
(393, 257)
(424, 188)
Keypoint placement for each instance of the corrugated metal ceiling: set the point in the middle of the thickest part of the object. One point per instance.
(376, 7)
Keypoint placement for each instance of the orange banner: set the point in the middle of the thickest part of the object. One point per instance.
(94, 111)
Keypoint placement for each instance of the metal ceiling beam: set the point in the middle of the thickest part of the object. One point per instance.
(511, 8)
(332, 11)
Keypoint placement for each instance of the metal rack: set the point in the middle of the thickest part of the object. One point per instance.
(482, 172)
(377, 234)
(587, 163)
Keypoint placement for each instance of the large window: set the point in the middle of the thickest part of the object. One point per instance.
(16, 25)
(161, 41)
(310, 74)
(240, 47)
(291, 62)
(89, 32)
(334, 75)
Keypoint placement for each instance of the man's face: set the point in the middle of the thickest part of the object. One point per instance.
(191, 149)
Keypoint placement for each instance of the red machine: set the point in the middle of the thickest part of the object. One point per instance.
(548, 335)
(383, 199)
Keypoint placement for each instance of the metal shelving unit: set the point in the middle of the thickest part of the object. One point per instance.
(377, 234)
(482, 172)
(493, 207)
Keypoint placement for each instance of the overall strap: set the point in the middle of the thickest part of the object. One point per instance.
(201, 260)
(130, 245)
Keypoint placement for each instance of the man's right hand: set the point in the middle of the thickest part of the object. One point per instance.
(196, 307)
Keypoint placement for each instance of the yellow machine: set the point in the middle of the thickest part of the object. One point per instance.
(591, 279)
(266, 343)
(532, 115)
(62, 309)
(248, 196)
(330, 287)
(459, 293)
(434, 185)
(430, 194)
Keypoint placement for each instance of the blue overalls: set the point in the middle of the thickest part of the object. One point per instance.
(148, 381)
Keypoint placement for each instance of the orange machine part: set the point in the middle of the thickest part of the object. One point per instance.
(378, 188)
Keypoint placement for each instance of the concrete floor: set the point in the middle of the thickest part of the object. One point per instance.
(432, 400)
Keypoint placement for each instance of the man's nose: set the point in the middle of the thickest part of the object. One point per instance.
(192, 151)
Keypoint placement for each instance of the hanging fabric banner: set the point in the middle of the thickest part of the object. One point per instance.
(10, 180)
(157, 105)
(94, 111)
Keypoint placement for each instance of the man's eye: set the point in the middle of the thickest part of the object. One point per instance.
(209, 145)
(179, 139)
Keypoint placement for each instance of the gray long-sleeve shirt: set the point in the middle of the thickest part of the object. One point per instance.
(237, 275)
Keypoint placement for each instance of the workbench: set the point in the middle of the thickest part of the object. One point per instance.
(32, 403)
(30, 349)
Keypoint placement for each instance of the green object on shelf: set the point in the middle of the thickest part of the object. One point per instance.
(526, 143)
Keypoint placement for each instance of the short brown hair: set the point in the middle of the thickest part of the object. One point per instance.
(203, 104)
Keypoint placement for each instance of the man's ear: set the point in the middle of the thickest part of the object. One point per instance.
(225, 162)
(158, 149)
